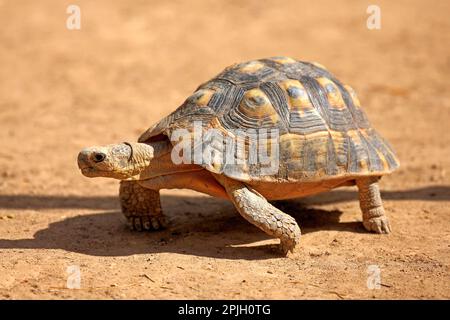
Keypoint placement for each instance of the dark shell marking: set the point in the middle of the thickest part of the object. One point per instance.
(324, 133)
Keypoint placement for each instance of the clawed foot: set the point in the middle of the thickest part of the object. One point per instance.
(378, 225)
(146, 223)
(287, 245)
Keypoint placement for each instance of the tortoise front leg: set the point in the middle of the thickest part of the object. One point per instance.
(141, 206)
(259, 212)
(371, 205)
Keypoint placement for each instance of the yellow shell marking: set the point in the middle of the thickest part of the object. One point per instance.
(297, 96)
(283, 60)
(333, 94)
(319, 147)
(383, 160)
(256, 105)
(353, 134)
(318, 65)
(353, 95)
(338, 143)
(215, 124)
(290, 144)
(380, 155)
(252, 66)
(202, 97)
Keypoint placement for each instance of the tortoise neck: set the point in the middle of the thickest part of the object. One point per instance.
(161, 162)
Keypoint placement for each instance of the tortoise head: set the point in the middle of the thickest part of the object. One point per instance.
(123, 161)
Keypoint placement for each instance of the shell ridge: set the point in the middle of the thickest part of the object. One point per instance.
(313, 89)
(277, 98)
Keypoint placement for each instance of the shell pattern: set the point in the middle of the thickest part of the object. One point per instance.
(322, 132)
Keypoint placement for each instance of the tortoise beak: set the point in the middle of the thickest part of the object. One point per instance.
(87, 160)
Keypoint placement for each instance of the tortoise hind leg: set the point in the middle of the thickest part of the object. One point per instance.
(374, 218)
(141, 206)
(259, 212)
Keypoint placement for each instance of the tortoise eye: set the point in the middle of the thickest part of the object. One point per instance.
(99, 157)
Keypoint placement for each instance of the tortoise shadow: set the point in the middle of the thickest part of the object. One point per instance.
(200, 226)
(105, 234)
(213, 229)
(313, 219)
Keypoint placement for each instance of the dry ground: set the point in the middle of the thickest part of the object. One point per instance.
(131, 63)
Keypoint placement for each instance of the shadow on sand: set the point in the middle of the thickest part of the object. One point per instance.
(200, 226)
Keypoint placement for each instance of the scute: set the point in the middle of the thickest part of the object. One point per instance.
(316, 121)
(254, 111)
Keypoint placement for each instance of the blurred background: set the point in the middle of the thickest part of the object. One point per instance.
(133, 62)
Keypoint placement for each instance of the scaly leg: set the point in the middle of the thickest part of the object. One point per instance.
(141, 206)
(371, 205)
(259, 212)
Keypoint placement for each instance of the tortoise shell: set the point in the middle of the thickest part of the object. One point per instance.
(315, 120)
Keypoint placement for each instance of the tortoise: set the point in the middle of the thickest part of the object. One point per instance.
(318, 135)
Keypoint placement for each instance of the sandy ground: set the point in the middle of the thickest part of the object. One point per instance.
(131, 63)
